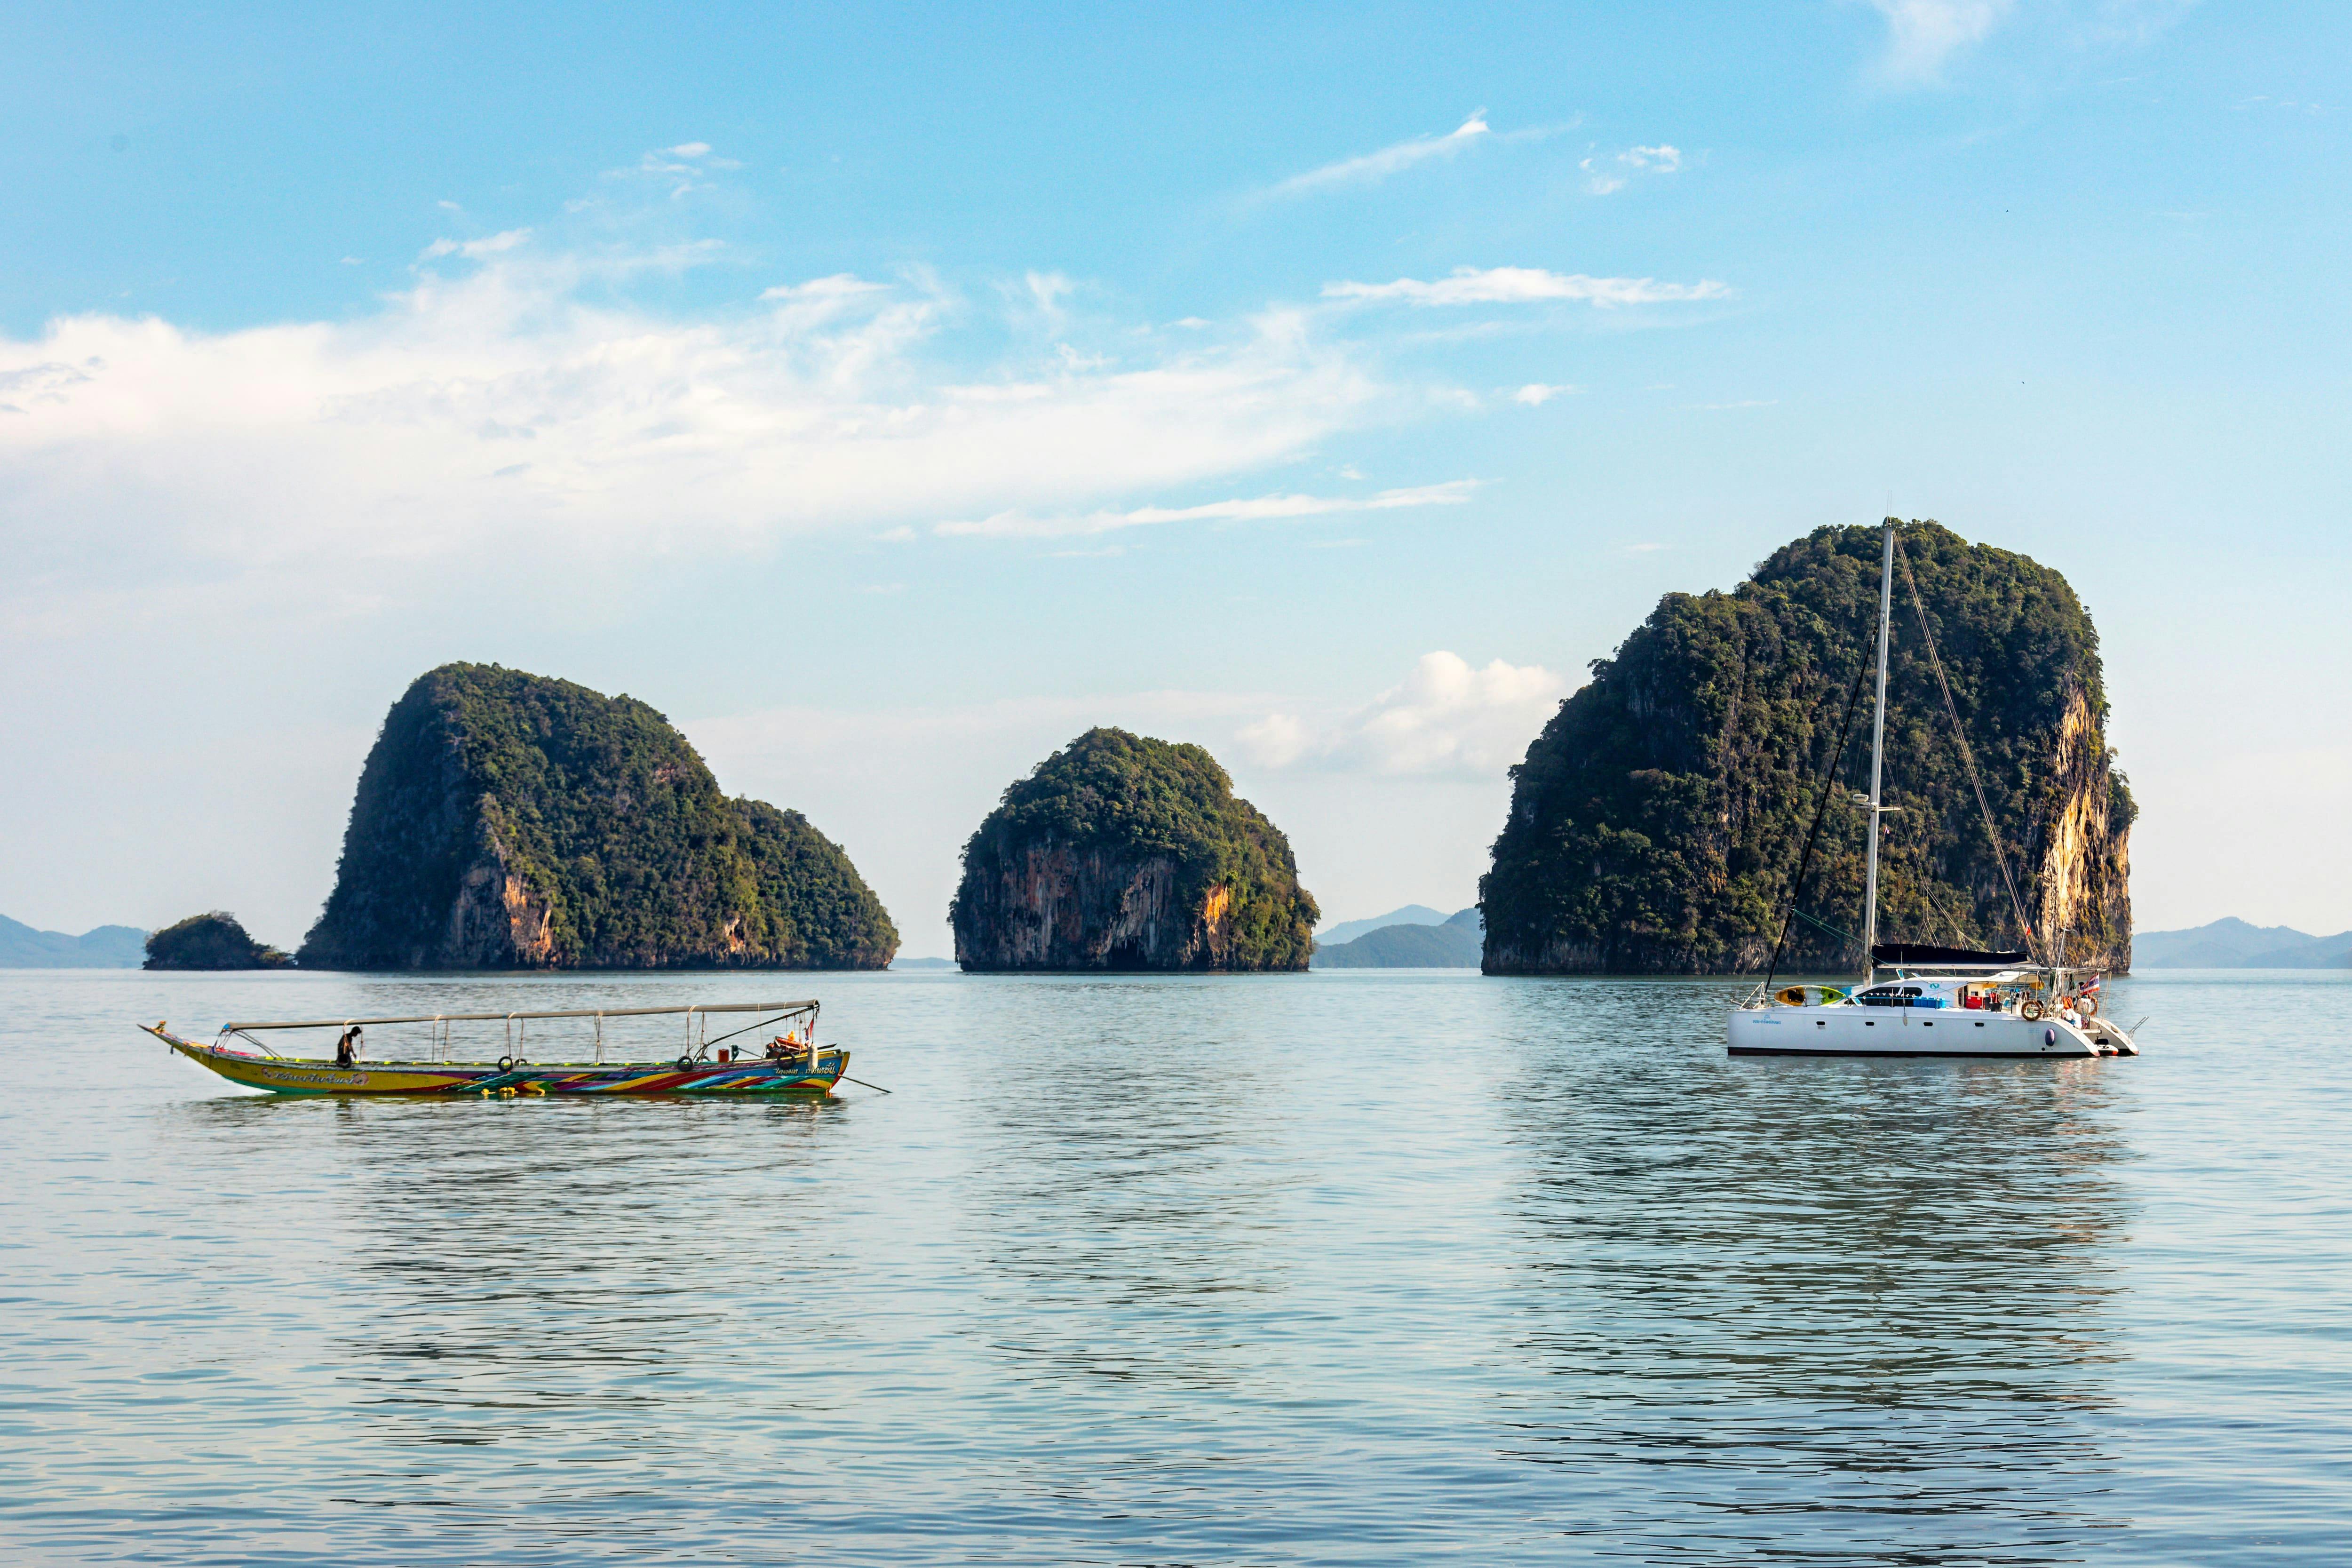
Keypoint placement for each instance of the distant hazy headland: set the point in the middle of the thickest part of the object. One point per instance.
(106, 947)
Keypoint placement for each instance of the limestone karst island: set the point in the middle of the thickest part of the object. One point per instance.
(1657, 823)
(511, 821)
(1121, 852)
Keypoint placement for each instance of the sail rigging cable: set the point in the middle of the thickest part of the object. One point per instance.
(1829, 774)
(2000, 854)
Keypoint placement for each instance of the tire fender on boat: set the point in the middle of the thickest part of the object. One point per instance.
(2049, 1036)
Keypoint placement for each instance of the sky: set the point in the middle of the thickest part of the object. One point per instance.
(888, 394)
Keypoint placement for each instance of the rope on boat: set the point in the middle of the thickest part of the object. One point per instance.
(863, 1084)
(1829, 776)
(2000, 852)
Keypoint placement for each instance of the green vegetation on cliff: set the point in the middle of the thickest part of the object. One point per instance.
(213, 941)
(1125, 852)
(1656, 823)
(509, 820)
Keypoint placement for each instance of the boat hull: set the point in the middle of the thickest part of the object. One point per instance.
(1847, 1030)
(760, 1077)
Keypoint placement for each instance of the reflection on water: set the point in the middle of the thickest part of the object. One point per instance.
(1351, 1268)
(1849, 1307)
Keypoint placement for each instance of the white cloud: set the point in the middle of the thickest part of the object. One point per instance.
(312, 446)
(1611, 172)
(1446, 718)
(474, 250)
(1523, 285)
(1045, 292)
(1536, 394)
(684, 166)
(1258, 509)
(1922, 35)
(1373, 167)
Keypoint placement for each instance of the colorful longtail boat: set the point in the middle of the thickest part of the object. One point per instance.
(780, 1058)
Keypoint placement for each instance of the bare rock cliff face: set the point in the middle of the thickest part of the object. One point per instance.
(1126, 853)
(1049, 906)
(1658, 822)
(508, 821)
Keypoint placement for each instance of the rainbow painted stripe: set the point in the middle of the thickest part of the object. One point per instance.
(800, 1075)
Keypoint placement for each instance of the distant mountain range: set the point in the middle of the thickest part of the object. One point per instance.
(108, 947)
(2234, 944)
(1444, 942)
(1410, 915)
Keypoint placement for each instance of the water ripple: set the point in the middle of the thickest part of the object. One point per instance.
(1363, 1267)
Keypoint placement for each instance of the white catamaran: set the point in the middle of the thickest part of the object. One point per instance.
(1921, 1001)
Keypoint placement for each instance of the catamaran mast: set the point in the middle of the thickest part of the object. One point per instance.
(1877, 753)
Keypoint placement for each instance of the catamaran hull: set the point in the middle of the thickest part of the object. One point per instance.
(761, 1077)
(1852, 1031)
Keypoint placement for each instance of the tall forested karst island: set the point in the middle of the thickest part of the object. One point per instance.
(1121, 852)
(511, 821)
(1658, 821)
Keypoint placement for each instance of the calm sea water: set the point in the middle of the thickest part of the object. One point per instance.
(1351, 1268)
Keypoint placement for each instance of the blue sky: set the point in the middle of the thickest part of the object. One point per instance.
(889, 395)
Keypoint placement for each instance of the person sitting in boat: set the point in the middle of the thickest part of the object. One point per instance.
(347, 1049)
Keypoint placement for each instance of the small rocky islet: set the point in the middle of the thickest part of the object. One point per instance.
(214, 940)
(1124, 853)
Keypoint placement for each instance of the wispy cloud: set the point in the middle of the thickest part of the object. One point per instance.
(1611, 172)
(1526, 285)
(1373, 167)
(289, 454)
(1255, 509)
(1536, 394)
(685, 166)
(474, 250)
(1923, 36)
(2291, 105)
(1447, 717)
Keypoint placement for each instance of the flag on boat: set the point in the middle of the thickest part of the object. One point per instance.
(2090, 985)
